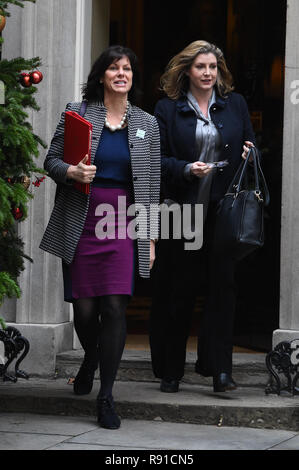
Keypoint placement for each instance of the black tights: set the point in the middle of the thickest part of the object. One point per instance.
(100, 324)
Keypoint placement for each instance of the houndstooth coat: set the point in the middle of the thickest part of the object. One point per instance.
(69, 213)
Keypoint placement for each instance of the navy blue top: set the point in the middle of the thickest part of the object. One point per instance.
(112, 160)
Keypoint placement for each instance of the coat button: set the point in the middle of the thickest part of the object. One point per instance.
(137, 228)
(137, 213)
(131, 146)
(135, 178)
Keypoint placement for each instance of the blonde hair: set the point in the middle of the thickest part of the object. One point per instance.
(174, 82)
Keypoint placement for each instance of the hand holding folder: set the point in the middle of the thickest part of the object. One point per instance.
(77, 143)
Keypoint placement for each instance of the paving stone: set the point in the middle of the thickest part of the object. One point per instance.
(31, 423)
(73, 446)
(161, 436)
(289, 444)
(28, 441)
(137, 435)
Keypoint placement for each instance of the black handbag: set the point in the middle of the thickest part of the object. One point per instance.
(239, 226)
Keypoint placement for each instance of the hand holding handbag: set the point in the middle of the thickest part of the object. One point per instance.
(239, 227)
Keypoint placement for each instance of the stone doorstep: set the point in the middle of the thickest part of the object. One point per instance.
(196, 404)
(249, 369)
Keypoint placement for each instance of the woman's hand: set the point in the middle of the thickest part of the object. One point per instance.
(200, 169)
(81, 172)
(246, 149)
(152, 253)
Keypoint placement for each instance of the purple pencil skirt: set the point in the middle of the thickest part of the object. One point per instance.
(104, 259)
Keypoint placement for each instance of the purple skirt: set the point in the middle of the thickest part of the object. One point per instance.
(104, 259)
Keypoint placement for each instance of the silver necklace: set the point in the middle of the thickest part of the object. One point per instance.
(120, 125)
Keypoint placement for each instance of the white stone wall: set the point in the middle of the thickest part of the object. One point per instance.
(289, 285)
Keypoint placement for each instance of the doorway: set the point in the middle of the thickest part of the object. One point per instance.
(251, 34)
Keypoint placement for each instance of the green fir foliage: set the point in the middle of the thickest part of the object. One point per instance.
(19, 146)
(5, 4)
(8, 287)
(18, 142)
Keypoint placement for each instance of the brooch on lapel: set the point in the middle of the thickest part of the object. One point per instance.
(140, 133)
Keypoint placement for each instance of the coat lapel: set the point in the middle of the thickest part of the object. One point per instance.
(137, 139)
(96, 115)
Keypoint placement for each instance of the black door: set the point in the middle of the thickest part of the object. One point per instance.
(252, 35)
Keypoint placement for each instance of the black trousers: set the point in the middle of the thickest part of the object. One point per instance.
(176, 277)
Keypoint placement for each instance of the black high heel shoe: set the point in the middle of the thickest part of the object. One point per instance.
(107, 417)
(223, 382)
(84, 379)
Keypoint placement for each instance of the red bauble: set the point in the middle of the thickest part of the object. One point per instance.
(36, 76)
(17, 213)
(2, 22)
(25, 79)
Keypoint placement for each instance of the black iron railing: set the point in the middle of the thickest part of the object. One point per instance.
(282, 364)
(14, 345)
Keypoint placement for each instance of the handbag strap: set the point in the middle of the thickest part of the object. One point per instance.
(266, 193)
(237, 181)
(83, 107)
(235, 185)
(252, 153)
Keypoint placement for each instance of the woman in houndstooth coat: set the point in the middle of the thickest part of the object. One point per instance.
(99, 270)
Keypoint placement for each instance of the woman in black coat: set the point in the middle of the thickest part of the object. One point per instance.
(201, 121)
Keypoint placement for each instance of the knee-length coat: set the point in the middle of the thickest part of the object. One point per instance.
(70, 209)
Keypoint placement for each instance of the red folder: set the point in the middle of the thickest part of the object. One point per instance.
(77, 143)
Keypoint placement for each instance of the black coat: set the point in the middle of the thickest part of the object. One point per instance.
(177, 123)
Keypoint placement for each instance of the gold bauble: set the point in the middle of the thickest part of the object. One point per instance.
(25, 181)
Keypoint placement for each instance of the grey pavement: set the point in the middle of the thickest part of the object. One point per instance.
(19, 431)
(44, 414)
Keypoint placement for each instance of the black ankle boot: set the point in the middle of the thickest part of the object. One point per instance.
(223, 382)
(84, 379)
(107, 417)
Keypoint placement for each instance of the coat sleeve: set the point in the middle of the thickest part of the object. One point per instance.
(172, 168)
(54, 164)
(155, 181)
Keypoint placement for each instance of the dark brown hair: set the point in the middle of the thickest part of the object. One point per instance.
(93, 90)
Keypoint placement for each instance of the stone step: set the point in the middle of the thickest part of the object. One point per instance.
(197, 404)
(249, 369)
